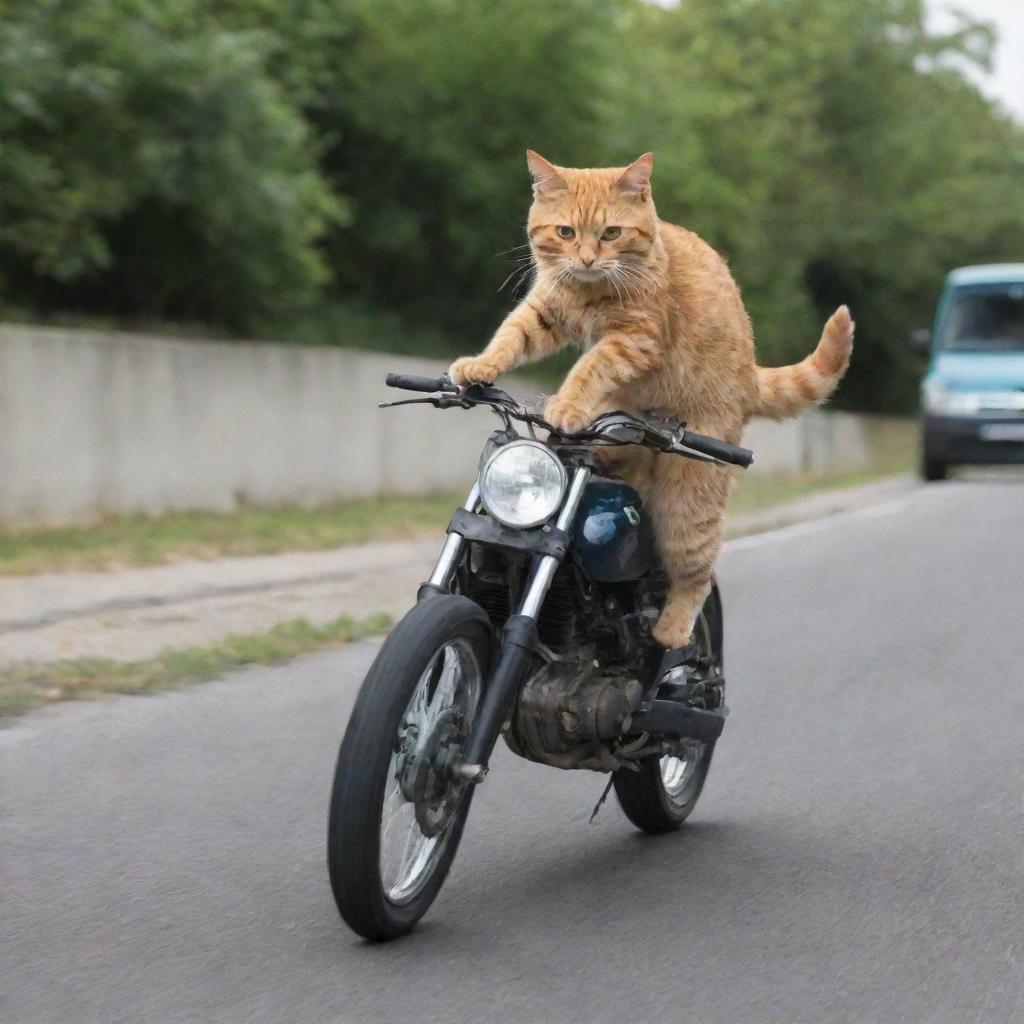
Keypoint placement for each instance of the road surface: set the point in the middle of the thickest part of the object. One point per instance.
(858, 854)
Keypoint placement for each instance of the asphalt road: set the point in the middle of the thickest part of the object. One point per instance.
(858, 854)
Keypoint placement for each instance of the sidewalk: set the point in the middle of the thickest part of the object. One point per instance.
(135, 613)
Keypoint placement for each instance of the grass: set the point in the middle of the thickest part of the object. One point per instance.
(753, 493)
(135, 540)
(126, 541)
(893, 444)
(24, 686)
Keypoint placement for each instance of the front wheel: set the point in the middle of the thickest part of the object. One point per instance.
(397, 812)
(932, 466)
(659, 793)
(933, 470)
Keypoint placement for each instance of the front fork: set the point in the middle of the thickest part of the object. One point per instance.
(519, 634)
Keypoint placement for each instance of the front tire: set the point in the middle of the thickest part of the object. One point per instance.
(395, 818)
(660, 793)
(932, 466)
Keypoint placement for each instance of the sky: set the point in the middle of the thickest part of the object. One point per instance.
(1006, 83)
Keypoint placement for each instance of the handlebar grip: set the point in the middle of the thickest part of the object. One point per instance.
(721, 450)
(410, 382)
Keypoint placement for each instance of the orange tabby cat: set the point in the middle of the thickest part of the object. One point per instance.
(663, 328)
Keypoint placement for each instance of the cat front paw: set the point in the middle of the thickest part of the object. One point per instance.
(567, 415)
(473, 370)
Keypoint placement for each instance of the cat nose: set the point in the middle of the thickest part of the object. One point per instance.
(587, 258)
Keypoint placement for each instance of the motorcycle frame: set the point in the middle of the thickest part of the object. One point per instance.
(519, 634)
(550, 545)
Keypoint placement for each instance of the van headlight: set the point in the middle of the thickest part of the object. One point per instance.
(940, 399)
(522, 484)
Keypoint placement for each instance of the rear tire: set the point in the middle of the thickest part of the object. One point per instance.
(661, 795)
(647, 802)
(405, 666)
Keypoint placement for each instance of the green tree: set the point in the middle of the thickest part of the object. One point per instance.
(357, 167)
(431, 107)
(152, 170)
(830, 151)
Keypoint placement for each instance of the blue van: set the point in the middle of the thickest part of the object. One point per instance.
(973, 392)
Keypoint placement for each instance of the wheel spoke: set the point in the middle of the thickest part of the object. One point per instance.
(393, 803)
(676, 772)
(417, 712)
(414, 843)
(408, 857)
(447, 684)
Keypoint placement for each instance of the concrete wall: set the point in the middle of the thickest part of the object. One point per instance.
(94, 424)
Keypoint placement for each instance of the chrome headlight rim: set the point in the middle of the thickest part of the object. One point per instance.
(563, 483)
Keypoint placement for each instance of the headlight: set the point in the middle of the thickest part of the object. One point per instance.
(938, 398)
(522, 484)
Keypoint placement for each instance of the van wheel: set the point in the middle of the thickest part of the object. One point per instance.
(933, 470)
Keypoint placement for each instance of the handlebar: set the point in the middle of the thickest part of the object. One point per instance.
(721, 450)
(410, 382)
(672, 437)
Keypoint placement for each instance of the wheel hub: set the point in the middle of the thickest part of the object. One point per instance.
(426, 773)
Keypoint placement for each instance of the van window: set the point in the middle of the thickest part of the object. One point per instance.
(986, 318)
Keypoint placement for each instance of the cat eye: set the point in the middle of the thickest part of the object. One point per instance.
(565, 231)
(610, 234)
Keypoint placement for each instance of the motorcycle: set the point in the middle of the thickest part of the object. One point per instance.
(535, 625)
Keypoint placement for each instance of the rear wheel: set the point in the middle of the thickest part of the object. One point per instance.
(397, 811)
(660, 796)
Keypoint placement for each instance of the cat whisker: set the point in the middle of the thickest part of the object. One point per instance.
(509, 278)
(613, 280)
(635, 281)
(519, 274)
(552, 280)
(514, 248)
(617, 279)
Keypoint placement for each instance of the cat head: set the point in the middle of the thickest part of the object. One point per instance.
(592, 225)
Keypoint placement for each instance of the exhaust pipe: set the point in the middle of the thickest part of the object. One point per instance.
(669, 718)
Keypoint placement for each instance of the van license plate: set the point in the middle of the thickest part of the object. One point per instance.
(1002, 432)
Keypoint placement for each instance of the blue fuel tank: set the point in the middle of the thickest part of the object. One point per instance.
(613, 539)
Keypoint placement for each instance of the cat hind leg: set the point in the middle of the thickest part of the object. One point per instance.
(688, 503)
(686, 596)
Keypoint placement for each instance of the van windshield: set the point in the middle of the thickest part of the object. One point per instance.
(986, 318)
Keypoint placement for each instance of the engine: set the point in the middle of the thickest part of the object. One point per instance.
(592, 644)
(568, 712)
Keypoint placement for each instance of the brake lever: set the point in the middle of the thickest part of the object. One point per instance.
(678, 448)
(486, 394)
(437, 401)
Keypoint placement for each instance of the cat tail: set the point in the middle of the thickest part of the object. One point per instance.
(784, 391)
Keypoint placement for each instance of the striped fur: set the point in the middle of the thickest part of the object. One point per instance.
(784, 391)
(662, 327)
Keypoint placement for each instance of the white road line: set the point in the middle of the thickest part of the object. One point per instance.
(811, 526)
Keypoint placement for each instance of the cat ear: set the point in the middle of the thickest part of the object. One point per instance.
(546, 178)
(636, 177)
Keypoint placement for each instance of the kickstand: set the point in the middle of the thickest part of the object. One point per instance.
(604, 796)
